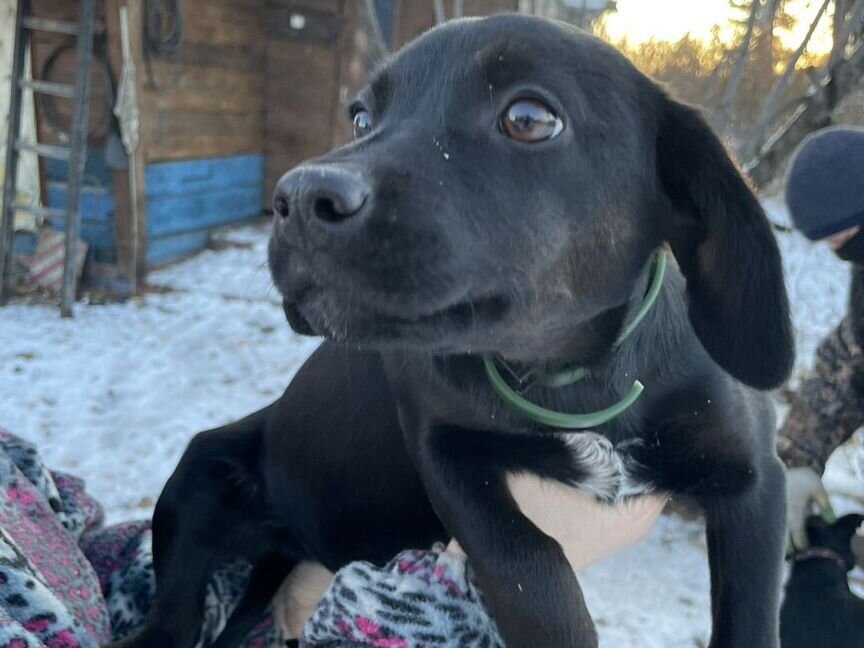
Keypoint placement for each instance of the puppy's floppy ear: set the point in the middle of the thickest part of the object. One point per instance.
(724, 245)
(817, 530)
(848, 525)
(840, 536)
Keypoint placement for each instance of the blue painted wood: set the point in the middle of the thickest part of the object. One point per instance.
(172, 248)
(96, 170)
(184, 200)
(97, 218)
(97, 203)
(182, 178)
(199, 194)
(175, 214)
(24, 243)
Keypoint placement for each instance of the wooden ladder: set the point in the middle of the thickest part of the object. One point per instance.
(75, 153)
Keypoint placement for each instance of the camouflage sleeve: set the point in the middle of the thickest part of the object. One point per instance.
(829, 405)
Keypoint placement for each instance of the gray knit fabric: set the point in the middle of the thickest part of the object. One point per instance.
(825, 184)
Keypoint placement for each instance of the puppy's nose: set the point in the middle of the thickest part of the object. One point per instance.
(328, 195)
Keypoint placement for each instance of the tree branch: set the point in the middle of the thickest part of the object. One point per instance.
(377, 49)
(813, 114)
(723, 115)
(844, 30)
(440, 15)
(769, 109)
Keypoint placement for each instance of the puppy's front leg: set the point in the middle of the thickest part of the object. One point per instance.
(529, 585)
(745, 550)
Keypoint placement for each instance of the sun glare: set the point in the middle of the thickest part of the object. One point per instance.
(670, 20)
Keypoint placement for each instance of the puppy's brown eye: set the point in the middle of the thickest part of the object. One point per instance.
(362, 123)
(529, 120)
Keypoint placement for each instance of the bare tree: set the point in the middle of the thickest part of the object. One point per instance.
(723, 114)
(841, 9)
(764, 36)
(852, 23)
(769, 109)
(841, 75)
(376, 49)
(440, 14)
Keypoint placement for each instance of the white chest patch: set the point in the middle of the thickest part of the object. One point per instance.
(610, 469)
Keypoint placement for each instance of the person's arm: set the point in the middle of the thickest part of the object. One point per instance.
(587, 531)
(856, 304)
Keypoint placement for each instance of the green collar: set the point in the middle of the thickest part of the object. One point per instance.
(569, 376)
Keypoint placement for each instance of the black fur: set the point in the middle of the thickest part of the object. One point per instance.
(819, 610)
(435, 238)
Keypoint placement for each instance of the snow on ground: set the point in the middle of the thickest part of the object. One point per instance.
(115, 394)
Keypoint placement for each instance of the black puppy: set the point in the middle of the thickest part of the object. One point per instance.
(510, 183)
(306, 478)
(819, 610)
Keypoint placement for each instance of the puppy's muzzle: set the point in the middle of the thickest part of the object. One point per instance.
(331, 199)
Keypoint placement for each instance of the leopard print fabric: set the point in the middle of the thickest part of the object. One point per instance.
(421, 599)
(68, 582)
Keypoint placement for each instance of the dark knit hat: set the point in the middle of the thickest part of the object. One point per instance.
(825, 185)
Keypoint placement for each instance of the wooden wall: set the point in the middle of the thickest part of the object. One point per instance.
(256, 87)
(313, 69)
(28, 168)
(201, 155)
(413, 17)
(207, 99)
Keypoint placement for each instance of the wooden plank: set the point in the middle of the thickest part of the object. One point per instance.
(203, 101)
(178, 178)
(353, 71)
(124, 226)
(217, 124)
(245, 57)
(176, 214)
(139, 158)
(221, 25)
(97, 203)
(308, 26)
(489, 7)
(311, 99)
(191, 195)
(323, 5)
(411, 20)
(96, 170)
(307, 77)
(199, 85)
(185, 132)
(97, 218)
(202, 146)
(173, 248)
(208, 99)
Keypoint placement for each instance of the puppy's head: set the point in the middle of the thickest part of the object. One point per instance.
(842, 537)
(509, 179)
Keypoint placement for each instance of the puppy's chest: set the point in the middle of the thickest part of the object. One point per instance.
(602, 465)
(610, 472)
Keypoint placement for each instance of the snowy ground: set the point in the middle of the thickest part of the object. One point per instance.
(115, 394)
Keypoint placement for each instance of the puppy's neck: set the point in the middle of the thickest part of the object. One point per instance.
(821, 565)
(584, 343)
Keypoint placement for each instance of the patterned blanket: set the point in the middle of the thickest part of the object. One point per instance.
(66, 581)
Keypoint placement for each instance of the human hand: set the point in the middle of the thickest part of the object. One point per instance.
(587, 530)
(803, 487)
